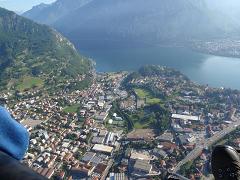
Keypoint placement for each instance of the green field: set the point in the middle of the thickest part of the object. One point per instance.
(142, 121)
(29, 82)
(142, 94)
(71, 109)
(153, 101)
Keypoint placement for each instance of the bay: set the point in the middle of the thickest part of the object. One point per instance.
(215, 71)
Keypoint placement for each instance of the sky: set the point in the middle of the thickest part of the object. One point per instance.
(21, 5)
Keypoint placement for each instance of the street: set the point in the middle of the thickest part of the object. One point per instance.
(206, 143)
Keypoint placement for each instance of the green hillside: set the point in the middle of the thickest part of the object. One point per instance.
(35, 55)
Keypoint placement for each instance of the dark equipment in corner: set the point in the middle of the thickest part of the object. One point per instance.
(11, 169)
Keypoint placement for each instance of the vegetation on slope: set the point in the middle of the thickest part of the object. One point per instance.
(30, 50)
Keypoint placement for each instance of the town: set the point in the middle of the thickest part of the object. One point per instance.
(223, 47)
(143, 124)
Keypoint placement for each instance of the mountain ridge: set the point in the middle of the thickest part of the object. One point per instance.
(53, 11)
(155, 21)
(28, 49)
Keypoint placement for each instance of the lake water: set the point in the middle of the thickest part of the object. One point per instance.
(215, 71)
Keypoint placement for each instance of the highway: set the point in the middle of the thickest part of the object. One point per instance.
(206, 143)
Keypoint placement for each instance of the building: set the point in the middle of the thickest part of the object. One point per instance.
(102, 116)
(140, 156)
(103, 133)
(83, 171)
(166, 137)
(103, 149)
(101, 171)
(185, 139)
(140, 103)
(141, 168)
(46, 172)
(186, 118)
(117, 176)
(159, 153)
(110, 138)
(87, 157)
(98, 140)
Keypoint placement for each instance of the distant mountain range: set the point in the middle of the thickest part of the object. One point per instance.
(35, 55)
(50, 13)
(135, 20)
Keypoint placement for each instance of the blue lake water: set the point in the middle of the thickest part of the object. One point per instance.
(215, 71)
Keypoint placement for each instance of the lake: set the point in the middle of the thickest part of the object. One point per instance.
(205, 69)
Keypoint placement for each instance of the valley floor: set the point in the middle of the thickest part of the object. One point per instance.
(141, 125)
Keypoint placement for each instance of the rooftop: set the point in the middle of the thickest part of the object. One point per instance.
(142, 165)
(140, 156)
(102, 148)
(185, 117)
(88, 156)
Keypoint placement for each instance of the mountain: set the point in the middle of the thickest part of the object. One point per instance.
(49, 13)
(35, 55)
(141, 21)
(36, 11)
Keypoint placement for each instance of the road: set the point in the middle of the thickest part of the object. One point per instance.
(206, 143)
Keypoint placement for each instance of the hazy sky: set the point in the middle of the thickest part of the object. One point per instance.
(21, 5)
(228, 6)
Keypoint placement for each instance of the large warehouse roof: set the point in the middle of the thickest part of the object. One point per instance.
(102, 148)
(185, 117)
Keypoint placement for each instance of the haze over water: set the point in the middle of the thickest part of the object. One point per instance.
(205, 69)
